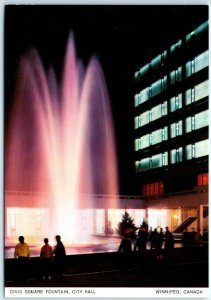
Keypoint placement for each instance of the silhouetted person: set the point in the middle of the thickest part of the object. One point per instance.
(22, 254)
(154, 244)
(193, 235)
(169, 245)
(141, 242)
(125, 250)
(160, 243)
(46, 256)
(150, 233)
(198, 235)
(59, 257)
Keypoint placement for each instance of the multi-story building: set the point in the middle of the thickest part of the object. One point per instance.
(171, 127)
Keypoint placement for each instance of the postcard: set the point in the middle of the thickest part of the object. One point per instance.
(106, 150)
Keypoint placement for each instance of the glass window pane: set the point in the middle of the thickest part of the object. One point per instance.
(144, 164)
(156, 161)
(156, 112)
(201, 61)
(201, 90)
(156, 136)
(144, 118)
(201, 148)
(201, 119)
(144, 141)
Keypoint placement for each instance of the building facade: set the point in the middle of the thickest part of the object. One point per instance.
(171, 121)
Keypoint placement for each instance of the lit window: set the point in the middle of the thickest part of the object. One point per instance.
(197, 93)
(201, 148)
(144, 118)
(176, 129)
(203, 179)
(176, 75)
(175, 46)
(196, 150)
(152, 189)
(197, 121)
(144, 141)
(176, 155)
(156, 161)
(198, 63)
(176, 102)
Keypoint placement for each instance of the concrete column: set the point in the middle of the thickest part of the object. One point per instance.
(106, 220)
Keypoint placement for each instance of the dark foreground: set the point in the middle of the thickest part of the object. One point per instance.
(188, 268)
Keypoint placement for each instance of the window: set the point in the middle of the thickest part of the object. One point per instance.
(201, 148)
(152, 189)
(156, 62)
(176, 75)
(196, 150)
(159, 135)
(175, 46)
(156, 88)
(198, 63)
(137, 144)
(201, 119)
(144, 141)
(164, 108)
(176, 102)
(176, 129)
(144, 164)
(197, 121)
(156, 112)
(203, 179)
(144, 118)
(156, 161)
(176, 155)
(197, 93)
(144, 69)
(136, 122)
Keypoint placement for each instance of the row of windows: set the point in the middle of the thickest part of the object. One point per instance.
(153, 65)
(197, 92)
(203, 179)
(193, 94)
(154, 89)
(197, 31)
(192, 123)
(192, 151)
(154, 188)
(198, 63)
(153, 138)
(159, 60)
(157, 188)
(151, 115)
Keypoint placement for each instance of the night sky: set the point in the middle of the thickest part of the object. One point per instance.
(123, 37)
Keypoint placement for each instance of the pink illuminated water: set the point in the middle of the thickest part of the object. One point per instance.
(60, 142)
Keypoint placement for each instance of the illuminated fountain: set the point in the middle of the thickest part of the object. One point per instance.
(60, 145)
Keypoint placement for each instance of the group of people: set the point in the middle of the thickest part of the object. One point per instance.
(160, 243)
(52, 259)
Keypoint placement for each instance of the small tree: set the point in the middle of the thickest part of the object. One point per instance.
(126, 226)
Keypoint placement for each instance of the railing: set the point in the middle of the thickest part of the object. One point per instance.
(197, 189)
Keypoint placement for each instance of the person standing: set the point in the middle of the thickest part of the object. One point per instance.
(160, 243)
(46, 256)
(141, 243)
(59, 257)
(125, 251)
(22, 254)
(169, 245)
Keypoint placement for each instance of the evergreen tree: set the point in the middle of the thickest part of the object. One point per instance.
(126, 226)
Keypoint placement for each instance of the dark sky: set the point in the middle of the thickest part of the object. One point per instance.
(123, 37)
